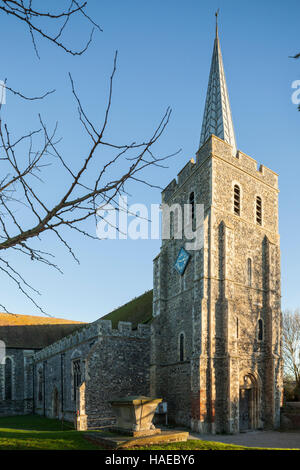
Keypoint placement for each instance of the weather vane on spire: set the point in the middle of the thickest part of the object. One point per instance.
(217, 14)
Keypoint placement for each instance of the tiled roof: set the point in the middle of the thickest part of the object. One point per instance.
(12, 319)
(33, 332)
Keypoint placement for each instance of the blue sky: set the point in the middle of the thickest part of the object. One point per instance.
(164, 58)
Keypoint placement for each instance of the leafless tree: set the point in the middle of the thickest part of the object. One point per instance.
(100, 176)
(291, 344)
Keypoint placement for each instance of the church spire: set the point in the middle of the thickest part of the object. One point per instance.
(217, 117)
(217, 29)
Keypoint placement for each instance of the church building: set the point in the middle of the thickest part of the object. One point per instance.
(210, 342)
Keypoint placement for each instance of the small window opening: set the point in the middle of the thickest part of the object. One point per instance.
(260, 334)
(237, 200)
(181, 347)
(258, 210)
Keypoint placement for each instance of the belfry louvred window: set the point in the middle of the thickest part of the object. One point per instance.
(258, 210)
(237, 200)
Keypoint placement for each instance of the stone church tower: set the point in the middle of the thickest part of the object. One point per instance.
(216, 331)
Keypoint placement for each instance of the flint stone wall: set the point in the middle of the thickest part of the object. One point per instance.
(113, 362)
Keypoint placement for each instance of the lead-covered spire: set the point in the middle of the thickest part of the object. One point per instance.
(217, 117)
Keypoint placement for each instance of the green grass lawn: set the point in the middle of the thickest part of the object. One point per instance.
(39, 433)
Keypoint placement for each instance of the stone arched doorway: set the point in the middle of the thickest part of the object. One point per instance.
(55, 403)
(248, 403)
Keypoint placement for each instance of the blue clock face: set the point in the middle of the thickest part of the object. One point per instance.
(182, 261)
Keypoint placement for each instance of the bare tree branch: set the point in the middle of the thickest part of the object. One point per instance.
(35, 20)
(29, 98)
(295, 56)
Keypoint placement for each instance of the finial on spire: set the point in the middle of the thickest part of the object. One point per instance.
(217, 14)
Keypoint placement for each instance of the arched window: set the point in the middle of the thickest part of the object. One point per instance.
(258, 210)
(249, 272)
(8, 379)
(260, 332)
(237, 200)
(181, 347)
(192, 203)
